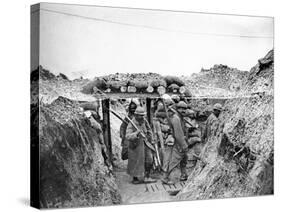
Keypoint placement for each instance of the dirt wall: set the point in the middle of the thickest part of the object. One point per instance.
(72, 169)
(238, 158)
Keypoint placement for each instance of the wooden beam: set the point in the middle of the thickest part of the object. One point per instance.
(106, 126)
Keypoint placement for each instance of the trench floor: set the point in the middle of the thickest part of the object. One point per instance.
(145, 193)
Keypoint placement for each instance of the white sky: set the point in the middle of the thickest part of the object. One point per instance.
(133, 40)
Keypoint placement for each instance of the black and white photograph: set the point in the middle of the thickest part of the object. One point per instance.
(133, 106)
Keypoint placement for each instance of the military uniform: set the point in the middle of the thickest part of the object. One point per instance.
(193, 138)
(211, 122)
(139, 155)
(165, 137)
(123, 128)
(177, 153)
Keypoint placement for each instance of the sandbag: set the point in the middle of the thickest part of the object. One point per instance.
(114, 85)
(174, 80)
(161, 90)
(158, 82)
(173, 88)
(139, 84)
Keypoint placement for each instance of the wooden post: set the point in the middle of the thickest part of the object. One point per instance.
(149, 111)
(106, 126)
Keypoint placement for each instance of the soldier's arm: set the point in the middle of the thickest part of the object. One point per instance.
(178, 132)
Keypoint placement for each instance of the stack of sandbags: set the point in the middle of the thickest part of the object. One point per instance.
(137, 85)
(117, 86)
(158, 85)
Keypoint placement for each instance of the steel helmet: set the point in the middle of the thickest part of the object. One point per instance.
(217, 106)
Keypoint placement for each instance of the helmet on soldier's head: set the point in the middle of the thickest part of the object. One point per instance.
(140, 111)
(167, 100)
(165, 96)
(182, 104)
(217, 106)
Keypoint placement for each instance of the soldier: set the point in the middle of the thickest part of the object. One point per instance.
(179, 148)
(185, 96)
(96, 123)
(163, 134)
(185, 113)
(213, 117)
(140, 160)
(192, 133)
(124, 143)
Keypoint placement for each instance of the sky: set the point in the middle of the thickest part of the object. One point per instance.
(92, 41)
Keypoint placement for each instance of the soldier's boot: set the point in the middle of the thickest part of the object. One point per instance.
(183, 176)
(136, 180)
(166, 179)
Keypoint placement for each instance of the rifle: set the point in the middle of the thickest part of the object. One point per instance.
(149, 145)
(156, 149)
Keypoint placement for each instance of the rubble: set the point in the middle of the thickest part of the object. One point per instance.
(218, 81)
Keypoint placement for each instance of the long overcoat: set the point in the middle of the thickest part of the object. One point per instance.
(138, 153)
(176, 154)
(212, 119)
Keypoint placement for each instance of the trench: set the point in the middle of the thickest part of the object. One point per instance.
(143, 193)
(74, 173)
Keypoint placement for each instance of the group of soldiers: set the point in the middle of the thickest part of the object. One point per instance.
(174, 131)
(174, 138)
